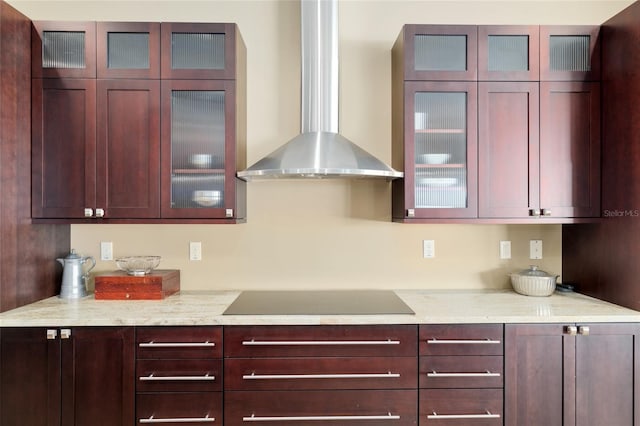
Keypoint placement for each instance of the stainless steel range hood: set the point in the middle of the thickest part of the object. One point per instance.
(319, 151)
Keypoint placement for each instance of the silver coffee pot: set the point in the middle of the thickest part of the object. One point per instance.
(74, 275)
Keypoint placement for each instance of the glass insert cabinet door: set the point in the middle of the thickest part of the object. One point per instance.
(197, 131)
(440, 52)
(441, 153)
(508, 53)
(128, 49)
(61, 49)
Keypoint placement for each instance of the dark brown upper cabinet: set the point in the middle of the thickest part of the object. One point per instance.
(438, 52)
(95, 149)
(200, 51)
(570, 53)
(437, 143)
(128, 50)
(508, 53)
(199, 150)
(63, 49)
(509, 145)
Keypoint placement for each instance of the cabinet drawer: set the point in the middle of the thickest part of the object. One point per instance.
(179, 408)
(317, 341)
(307, 408)
(461, 372)
(320, 373)
(179, 375)
(461, 407)
(178, 342)
(461, 339)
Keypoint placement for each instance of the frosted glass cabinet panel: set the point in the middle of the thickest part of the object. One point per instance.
(439, 52)
(199, 51)
(570, 53)
(128, 49)
(62, 49)
(440, 154)
(508, 53)
(197, 130)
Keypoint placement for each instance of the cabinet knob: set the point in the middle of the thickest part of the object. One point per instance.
(534, 212)
(546, 212)
(88, 212)
(228, 213)
(52, 334)
(99, 212)
(571, 330)
(411, 213)
(583, 330)
(65, 333)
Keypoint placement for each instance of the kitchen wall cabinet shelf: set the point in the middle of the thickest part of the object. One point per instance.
(85, 168)
(67, 376)
(571, 374)
(512, 148)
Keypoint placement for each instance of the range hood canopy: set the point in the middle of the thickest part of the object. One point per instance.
(319, 151)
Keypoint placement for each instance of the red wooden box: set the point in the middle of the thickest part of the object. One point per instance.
(117, 285)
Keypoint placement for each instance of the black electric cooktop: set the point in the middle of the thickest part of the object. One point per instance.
(323, 302)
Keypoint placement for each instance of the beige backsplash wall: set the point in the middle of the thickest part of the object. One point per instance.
(330, 233)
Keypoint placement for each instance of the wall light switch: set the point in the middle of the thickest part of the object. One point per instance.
(535, 249)
(428, 249)
(505, 249)
(195, 250)
(106, 250)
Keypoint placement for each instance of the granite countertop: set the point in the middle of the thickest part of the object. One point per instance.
(430, 307)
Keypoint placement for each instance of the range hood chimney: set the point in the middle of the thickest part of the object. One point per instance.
(319, 151)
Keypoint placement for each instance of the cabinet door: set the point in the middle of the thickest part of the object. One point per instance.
(63, 147)
(440, 150)
(198, 149)
(539, 375)
(570, 53)
(128, 49)
(508, 52)
(508, 165)
(128, 148)
(63, 49)
(440, 52)
(98, 377)
(199, 50)
(570, 149)
(30, 378)
(606, 367)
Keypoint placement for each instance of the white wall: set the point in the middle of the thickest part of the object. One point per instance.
(328, 233)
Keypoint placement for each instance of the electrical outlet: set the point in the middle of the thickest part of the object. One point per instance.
(195, 250)
(535, 249)
(428, 249)
(106, 250)
(505, 249)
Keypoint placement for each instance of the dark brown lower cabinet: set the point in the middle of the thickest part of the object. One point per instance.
(67, 376)
(568, 374)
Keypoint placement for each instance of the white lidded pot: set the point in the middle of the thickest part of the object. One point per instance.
(534, 282)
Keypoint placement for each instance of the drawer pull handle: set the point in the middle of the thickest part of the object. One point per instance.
(463, 342)
(319, 342)
(487, 415)
(254, 376)
(152, 378)
(153, 344)
(485, 374)
(254, 418)
(205, 419)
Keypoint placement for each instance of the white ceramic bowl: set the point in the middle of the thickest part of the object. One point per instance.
(207, 198)
(437, 182)
(433, 158)
(533, 286)
(202, 161)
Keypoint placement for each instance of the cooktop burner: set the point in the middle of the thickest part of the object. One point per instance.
(323, 302)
